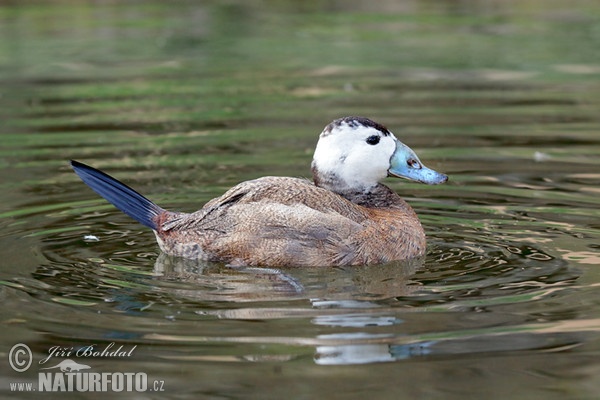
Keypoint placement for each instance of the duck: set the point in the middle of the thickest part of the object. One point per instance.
(345, 216)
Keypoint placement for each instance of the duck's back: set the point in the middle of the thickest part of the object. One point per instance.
(290, 221)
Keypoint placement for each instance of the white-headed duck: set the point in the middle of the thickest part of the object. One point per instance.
(346, 217)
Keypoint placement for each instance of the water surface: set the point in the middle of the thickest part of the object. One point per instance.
(183, 101)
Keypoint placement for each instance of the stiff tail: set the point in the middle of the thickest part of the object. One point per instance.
(120, 195)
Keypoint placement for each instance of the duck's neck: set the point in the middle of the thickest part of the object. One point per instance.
(377, 195)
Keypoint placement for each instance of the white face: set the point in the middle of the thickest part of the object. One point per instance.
(358, 155)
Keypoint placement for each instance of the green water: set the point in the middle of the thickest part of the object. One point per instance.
(183, 100)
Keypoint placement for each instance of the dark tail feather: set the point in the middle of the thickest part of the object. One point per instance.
(120, 195)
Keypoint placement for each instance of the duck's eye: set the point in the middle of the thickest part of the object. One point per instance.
(413, 163)
(373, 140)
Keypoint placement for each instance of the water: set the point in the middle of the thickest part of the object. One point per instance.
(183, 101)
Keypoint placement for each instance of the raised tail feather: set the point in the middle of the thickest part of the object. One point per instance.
(120, 195)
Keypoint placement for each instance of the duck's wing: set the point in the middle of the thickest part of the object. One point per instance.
(267, 190)
(272, 221)
(280, 234)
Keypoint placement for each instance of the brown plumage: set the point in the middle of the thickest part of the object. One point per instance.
(345, 218)
(290, 221)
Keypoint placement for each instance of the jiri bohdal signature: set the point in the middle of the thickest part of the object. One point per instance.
(92, 351)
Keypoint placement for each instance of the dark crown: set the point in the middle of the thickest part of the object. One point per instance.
(355, 122)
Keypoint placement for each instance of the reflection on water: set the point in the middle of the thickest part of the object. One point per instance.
(236, 284)
(183, 101)
(239, 284)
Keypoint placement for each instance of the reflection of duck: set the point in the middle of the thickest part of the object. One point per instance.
(336, 296)
(345, 218)
(325, 288)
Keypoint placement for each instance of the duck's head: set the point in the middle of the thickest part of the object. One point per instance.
(355, 153)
